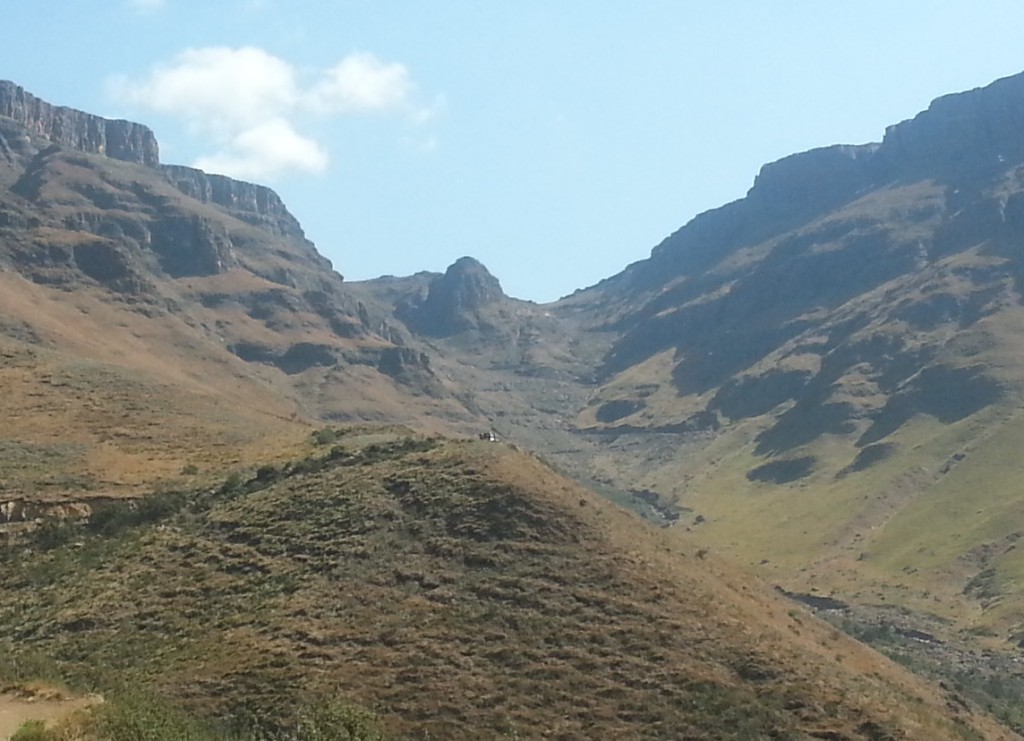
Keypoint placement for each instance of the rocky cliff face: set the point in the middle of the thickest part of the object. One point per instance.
(255, 204)
(37, 123)
(963, 136)
(217, 263)
(71, 129)
(970, 133)
(810, 259)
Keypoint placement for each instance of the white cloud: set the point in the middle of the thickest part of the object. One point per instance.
(251, 103)
(362, 83)
(218, 88)
(266, 150)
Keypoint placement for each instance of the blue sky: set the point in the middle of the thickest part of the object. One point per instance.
(556, 141)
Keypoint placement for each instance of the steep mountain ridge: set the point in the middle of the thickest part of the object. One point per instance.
(828, 350)
(70, 129)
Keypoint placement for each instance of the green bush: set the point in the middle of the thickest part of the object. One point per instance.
(112, 518)
(32, 730)
(321, 720)
(232, 484)
(325, 436)
(268, 474)
(336, 721)
(331, 721)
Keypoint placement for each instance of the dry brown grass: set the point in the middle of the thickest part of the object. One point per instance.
(462, 590)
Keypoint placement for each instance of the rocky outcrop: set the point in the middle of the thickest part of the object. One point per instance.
(15, 143)
(255, 204)
(21, 510)
(188, 245)
(72, 129)
(454, 298)
(110, 264)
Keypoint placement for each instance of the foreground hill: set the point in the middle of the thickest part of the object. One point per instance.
(461, 590)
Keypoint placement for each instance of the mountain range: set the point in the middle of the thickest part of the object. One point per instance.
(820, 383)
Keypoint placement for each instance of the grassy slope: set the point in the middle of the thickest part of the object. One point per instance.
(462, 590)
(104, 402)
(915, 527)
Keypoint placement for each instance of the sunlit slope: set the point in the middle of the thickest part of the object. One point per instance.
(463, 590)
(100, 401)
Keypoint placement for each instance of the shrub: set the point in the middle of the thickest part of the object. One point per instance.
(54, 533)
(32, 730)
(232, 484)
(267, 474)
(112, 518)
(325, 436)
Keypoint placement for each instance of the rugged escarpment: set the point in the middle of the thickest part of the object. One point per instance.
(83, 132)
(39, 124)
(935, 182)
(256, 204)
(969, 135)
(133, 212)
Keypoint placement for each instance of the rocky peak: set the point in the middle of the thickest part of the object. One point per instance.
(454, 298)
(466, 284)
(72, 129)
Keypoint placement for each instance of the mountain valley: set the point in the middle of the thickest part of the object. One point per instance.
(245, 485)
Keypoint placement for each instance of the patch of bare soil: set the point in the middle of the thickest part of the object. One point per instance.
(47, 704)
